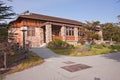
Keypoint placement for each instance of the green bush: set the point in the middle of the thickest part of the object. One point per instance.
(98, 46)
(96, 36)
(59, 44)
(104, 45)
(115, 47)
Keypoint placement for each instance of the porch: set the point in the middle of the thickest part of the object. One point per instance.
(52, 31)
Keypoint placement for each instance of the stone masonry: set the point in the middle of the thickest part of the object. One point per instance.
(63, 33)
(48, 28)
(41, 36)
(76, 33)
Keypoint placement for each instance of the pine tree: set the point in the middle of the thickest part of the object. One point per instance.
(5, 13)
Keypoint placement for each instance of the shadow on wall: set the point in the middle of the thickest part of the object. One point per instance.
(114, 56)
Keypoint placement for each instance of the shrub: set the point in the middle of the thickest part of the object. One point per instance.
(96, 36)
(115, 47)
(104, 45)
(100, 46)
(82, 41)
(59, 44)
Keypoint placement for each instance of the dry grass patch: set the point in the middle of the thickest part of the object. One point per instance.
(32, 60)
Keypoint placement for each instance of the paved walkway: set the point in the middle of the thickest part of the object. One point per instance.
(103, 67)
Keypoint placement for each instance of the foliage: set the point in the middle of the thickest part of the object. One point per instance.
(115, 47)
(59, 44)
(82, 41)
(111, 32)
(83, 51)
(32, 60)
(90, 32)
(17, 58)
(91, 26)
(99, 46)
(5, 11)
(96, 36)
(3, 34)
(6, 48)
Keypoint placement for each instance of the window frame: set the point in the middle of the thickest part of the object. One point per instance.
(30, 31)
(69, 31)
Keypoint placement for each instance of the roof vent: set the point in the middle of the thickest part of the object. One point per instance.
(26, 12)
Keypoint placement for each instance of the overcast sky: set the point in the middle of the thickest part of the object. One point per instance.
(81, 10)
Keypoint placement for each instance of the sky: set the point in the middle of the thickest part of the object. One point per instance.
(80, 10)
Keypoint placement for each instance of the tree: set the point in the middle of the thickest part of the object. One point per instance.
(5, 13)
(91, 28)
(111, 32)
(92, 25)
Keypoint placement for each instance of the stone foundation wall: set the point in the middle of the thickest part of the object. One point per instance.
(34, 41)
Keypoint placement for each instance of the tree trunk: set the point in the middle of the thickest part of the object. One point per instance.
(5, 60)
(111, 41)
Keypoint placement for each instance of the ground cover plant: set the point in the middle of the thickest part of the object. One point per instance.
(85, 50)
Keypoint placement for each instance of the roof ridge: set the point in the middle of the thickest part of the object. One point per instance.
(54, 17)
(50, 19)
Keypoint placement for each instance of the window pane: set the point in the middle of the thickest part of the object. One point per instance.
(67, 31)
(72, 32)
(31, 31)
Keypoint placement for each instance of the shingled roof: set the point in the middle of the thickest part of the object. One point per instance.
(50, 19)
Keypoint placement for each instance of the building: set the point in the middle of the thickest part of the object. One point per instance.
(42, 29)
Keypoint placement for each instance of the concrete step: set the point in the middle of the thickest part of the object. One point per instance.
(44, 45)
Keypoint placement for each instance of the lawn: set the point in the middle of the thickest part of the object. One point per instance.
(83, 50)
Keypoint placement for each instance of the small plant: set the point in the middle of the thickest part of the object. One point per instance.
(59, 44)
(82, 41)
(115, 47)
(96, 36)
(98, 46)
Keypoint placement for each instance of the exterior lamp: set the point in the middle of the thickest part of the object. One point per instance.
(24, 29)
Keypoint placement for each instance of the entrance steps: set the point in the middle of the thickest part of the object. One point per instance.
(43, 45)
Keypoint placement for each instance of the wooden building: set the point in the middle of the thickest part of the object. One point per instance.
(42, 29)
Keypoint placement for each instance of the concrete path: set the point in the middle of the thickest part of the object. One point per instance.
(103, 67)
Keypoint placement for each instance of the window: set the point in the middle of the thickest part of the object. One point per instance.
(31, 31)
(69, 31)
(56, 30)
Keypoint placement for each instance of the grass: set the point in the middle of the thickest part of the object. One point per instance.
(84, 51)
(33, 60)
(94, 51)
(63, 51)
(0, 77)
